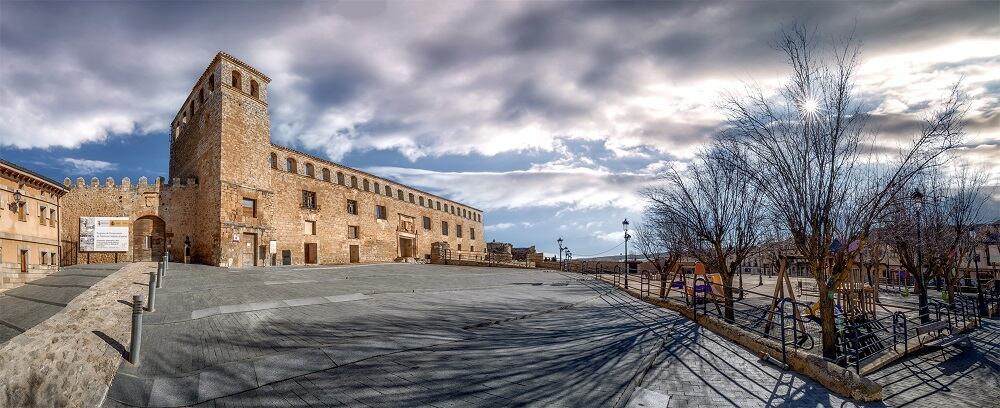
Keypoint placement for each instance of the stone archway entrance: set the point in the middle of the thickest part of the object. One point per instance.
(148, 242)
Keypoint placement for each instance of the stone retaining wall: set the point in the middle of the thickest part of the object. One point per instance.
(70, 359)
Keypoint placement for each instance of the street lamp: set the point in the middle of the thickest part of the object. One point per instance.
(918, 201)
(627, 236)
(979, 283)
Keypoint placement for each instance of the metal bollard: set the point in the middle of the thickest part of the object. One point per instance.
(159, 276)
(133, 352)
(166, 258)
(152, 291)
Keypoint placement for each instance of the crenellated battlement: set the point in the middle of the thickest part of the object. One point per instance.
(126, 184)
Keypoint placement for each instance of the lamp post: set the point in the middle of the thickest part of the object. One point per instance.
(560, 241)
(625, 227)
(980, 298)
(918, 201)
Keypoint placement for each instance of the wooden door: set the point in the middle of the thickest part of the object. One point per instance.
(355, 254)
(310, 254)
(248, 251)
(24, 261)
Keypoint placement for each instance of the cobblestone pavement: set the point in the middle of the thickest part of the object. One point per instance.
(429, 335)
(24, 307)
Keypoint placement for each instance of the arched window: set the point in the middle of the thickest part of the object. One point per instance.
(237, 78)
(411, 198)
(211, 83)
(253, 89)
(340, 178)
(192, 108)
(201, 95)
(376, 188)
(365, 184)
(291, 166)
(326, 175)
(310, 170)
(354, 182)
(274, 161)
(388, 191)
(399, 195)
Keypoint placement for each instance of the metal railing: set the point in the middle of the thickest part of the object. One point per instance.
(488, 259)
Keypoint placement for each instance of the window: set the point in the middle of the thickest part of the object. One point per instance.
(211, 82)
(237, 77)
(41, 214)
(274, 161)
(249, 207)
(421, 201)
(352, 207)
(52, 259)
(375, 187)
(381, 213)
(340, 178)
(352, 232)
(326, 175)
(444, 227)
(354, 182)
(411, 198)
(201, 96)
(310, 170)
(388, 191)
(22, 212)
(254, 92)
(291, 166)
(192, 108)
(427, 223)
(458, 230)
(309, 200)
(147, 242)
(309, 227)
(52, 217)
(472, 248)
(459, 247)
(472, 233)
(45, 258)
(365, 184)
(439, 205)
(399, 195)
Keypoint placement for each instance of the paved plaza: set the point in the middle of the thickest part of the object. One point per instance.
(429, 335)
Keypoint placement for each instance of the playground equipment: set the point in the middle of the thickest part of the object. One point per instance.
(712, 286)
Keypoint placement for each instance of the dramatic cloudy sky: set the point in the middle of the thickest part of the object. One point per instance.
(547, 115)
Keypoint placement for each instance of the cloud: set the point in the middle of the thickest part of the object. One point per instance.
(485, 78)
(86, 167)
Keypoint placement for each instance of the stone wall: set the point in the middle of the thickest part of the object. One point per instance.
(108, 200)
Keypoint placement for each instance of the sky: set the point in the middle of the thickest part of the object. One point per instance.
(549, 116)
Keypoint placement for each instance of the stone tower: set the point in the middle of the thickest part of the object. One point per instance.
(220, 138)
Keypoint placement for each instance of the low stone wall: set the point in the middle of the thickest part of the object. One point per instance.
(843, 381)
(70, 359)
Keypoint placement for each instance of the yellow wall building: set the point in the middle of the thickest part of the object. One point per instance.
(29, 225)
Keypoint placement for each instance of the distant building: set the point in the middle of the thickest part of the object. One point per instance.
(29, 225)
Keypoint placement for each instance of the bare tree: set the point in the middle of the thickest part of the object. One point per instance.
(947, 210)
(810, 152)
(716, 212)
(657, 240)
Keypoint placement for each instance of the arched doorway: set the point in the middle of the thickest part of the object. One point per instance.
(148, 243)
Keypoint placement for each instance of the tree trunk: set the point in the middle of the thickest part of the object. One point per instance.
(727, 292)
(827, 321)
(663, 284)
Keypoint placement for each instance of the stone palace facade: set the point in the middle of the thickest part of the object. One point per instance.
(235, 199)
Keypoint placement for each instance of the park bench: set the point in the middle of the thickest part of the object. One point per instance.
(941, 341)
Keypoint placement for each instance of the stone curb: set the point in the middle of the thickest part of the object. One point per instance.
(70, 359)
